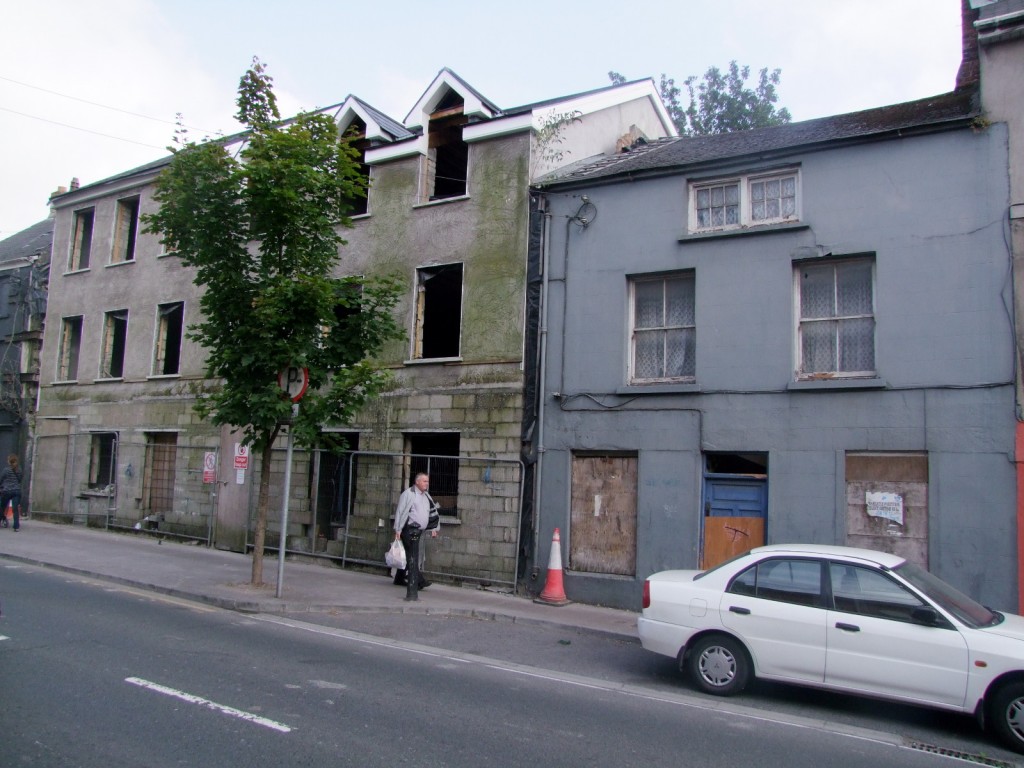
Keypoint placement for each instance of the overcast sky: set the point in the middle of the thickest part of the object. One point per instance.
(90, 88)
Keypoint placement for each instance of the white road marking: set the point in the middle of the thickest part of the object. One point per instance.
(4, 637)
(190, 698)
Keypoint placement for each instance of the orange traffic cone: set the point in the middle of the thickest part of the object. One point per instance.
(554, 591)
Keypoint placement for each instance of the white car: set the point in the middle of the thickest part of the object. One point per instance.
(846, 619)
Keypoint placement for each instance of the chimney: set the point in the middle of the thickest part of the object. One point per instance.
(75, 184)
(970, 70)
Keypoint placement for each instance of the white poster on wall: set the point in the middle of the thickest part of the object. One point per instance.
(887, 505)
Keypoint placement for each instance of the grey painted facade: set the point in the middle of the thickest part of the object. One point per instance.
(927, 211)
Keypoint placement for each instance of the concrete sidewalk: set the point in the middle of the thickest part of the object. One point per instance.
(222, 579)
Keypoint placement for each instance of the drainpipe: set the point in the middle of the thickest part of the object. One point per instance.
(542, 372)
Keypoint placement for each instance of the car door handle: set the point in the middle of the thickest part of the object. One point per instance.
(847, 627)
(741, 611)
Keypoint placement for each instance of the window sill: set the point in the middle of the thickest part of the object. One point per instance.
(119, 263)
(108, 379)
(64, 383)
(765, 229)
(430, 360)
(442, 201)
(161, 376)
(76, 271)
(872, 382)
(659, 388)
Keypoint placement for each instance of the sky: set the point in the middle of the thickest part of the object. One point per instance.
(91, 88)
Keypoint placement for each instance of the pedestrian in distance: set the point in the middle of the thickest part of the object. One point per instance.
(10, 491)
(411, 519)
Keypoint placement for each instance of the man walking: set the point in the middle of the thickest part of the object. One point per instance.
(411, 520)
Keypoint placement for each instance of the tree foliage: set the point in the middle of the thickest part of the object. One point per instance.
(722, 102)
(262, 233)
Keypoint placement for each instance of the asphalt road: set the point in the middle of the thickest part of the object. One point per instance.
(98, 675)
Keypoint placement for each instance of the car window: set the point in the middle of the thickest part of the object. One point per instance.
(868, 592)
(970, 612)
(785, 580)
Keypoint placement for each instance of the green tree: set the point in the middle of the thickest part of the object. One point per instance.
(262, 232)
(722, 102)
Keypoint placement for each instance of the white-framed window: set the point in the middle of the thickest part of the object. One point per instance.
(836, 328)
(663, 329)
(745, 201)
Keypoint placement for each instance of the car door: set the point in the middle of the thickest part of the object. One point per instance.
(777, 608)
(875, 646)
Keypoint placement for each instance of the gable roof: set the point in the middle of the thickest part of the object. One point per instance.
(33, 241)
(665, 155)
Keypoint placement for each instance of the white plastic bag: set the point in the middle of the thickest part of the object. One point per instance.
(395, 556)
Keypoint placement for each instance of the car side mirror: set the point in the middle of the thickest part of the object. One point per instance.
(925, 615)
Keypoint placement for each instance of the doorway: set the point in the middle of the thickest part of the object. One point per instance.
(735, 505)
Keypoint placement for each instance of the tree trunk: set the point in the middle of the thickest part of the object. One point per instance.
(262, 505)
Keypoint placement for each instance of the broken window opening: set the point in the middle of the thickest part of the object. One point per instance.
(437, 454)
(167, 358)
(81, 244)
(447, 162)
(70, 344)
(355, 137)
(438, 311)
(124, 230)
(115, 334)
(102, 459)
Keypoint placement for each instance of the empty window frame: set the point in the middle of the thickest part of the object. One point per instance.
(437, 454)
(446, 166)
(126, 225)
(836, 333)
(170, 323)
(438, 312)
(102, 459)
(70, 346)
(745, 201)
(115, 335)
(355, 136)
(663, 328)
(81, 240)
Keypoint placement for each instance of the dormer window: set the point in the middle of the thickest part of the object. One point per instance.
(355, 135)
(445, 168)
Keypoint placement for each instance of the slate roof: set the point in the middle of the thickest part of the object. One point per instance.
(36, 239)
(956, 107)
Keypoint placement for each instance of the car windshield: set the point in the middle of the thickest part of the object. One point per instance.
(970, 612)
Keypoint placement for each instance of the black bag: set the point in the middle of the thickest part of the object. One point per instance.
(434, 516)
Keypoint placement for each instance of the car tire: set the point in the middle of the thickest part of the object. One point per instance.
(1006, 714)
(718, 664)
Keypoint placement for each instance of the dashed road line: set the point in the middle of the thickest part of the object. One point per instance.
(192, 699)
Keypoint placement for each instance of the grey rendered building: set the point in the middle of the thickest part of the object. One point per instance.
(793, 334)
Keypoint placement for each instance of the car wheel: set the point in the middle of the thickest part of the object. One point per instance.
(718, 664)
(1006, 713)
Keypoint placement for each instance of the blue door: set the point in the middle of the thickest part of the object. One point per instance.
(735, 511)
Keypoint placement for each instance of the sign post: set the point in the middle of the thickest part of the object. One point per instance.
(294, 382)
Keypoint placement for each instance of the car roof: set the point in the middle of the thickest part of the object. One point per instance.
(884, 559)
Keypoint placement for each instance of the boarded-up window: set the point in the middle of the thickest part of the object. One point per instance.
(115, 335)
(603, 516)
(887, 503)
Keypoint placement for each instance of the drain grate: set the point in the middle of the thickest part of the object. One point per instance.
(979, 759)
